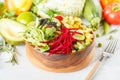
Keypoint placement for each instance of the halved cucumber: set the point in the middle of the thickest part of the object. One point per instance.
(11, 31)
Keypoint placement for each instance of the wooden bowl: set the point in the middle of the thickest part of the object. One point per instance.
(60, 62)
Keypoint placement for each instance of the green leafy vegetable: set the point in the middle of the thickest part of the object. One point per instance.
(34, 8)
(35, 2)
(4, 13)
(44, 48)
(65, 8)
(39, 35)
(2, 7)
(49, 32)
(10, 14)
(34, 35)
(49, 12)
(93, 13)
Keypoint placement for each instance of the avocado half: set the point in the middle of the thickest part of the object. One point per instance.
(11, 31)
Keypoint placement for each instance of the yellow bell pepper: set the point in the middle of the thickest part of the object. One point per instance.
(104, 3)
(18, 5)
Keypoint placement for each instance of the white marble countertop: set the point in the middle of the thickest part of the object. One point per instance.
(110, 70)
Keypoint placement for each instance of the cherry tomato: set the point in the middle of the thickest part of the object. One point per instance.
(112, 13)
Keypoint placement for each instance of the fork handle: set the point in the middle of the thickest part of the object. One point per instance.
(95, 68)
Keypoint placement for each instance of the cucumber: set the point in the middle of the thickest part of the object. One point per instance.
(11, 31)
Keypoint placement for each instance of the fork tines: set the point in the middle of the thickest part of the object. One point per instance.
(111, 46)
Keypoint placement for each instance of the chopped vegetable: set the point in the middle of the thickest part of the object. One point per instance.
(39, 35)
(63, 43)
(72, 22)
(79, 36)
(79, 46)
(60, 18)
(55, 37)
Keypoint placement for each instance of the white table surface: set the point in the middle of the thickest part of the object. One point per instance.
(110, 70)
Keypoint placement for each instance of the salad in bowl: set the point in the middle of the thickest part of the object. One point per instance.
(60, 44)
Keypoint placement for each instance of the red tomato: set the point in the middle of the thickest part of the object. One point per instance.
(60, 18)
(112, 13)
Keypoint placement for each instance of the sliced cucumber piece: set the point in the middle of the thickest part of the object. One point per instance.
(11, 31)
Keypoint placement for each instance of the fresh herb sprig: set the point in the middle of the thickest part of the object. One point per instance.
(5, 47)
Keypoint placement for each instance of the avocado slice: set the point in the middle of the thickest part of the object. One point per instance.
(10, 30)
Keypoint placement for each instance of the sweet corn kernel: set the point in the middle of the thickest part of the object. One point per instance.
(72, 22)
